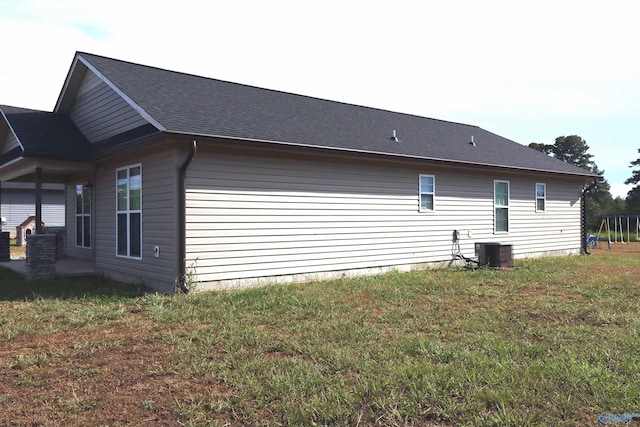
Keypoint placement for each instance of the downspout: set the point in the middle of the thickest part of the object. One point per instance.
(583, 216)
(182, 218)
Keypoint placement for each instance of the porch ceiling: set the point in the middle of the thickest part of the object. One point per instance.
(24, 169)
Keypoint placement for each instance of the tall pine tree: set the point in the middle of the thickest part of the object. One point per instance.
(633, 196)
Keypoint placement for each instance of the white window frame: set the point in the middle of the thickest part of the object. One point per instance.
(543, 198)
(81, 193)
(501, 207)
(128, 211)
(431, 193)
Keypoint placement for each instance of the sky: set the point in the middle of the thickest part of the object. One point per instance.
(528, 71)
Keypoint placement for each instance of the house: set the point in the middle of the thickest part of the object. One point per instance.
(174, 177)
(18, 204)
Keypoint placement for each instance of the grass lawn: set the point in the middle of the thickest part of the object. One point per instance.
(553, 342)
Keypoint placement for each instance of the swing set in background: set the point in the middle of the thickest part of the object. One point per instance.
(622, 224)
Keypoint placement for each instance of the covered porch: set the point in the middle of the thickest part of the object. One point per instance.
(45, 249)
(39, 147)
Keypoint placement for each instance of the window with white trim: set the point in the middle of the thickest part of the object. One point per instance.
(541, 197)
(129, 211)
(501, 206)
(427, 193)
(83, 216)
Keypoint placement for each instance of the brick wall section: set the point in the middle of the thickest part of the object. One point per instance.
(4, 246)
(41, 256)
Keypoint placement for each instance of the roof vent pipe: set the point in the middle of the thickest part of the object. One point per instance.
(472, 143)
(394, 137)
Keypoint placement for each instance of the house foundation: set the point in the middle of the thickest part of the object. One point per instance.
(41, 256)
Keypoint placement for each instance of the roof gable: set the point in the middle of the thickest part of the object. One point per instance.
(98, 108)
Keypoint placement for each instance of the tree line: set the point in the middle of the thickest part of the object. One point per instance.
(600, 203)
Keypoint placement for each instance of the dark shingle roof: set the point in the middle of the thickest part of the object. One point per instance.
(46, 135)
(202, 106)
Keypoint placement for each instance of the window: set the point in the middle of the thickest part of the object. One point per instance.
(501, 206)
(129, 211)
(427, 193)
(541, 197)
(83, 216)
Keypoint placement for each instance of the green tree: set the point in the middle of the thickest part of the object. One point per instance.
(620, 204)
(570, 149)
(599, 201)
(545, 148)
(633, 196)
(633, 201)
(573, 149)
(635, 177)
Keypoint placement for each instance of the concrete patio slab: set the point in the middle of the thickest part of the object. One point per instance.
(65, 267)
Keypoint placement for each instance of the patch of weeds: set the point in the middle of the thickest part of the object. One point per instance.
(85, 372)
(91, 314)
(56, 353)
(28, 380)
(78, 405)
(23, 361)
(425, 347)
(189, 283)
(191, 408)
(88, 348)
(149, 405)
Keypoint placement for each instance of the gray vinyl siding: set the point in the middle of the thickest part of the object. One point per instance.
(159, 207)
(100, 113)
(10, 143)
(556, 230)
(255, 217)
(18, 204)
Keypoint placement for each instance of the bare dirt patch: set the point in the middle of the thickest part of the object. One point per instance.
(120, 374)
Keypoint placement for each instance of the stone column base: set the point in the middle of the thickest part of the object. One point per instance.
(41, 256)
